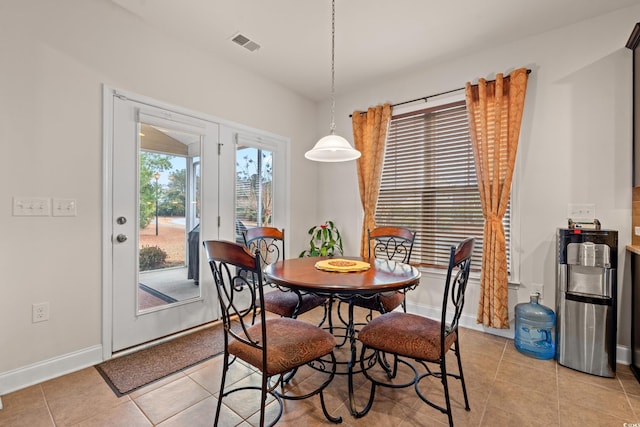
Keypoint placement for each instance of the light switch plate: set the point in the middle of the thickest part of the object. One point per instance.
(64, 207)
(31, 206)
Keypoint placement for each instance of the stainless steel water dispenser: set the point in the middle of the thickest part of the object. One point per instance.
(586, 295)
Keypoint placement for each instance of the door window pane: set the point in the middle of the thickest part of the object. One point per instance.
(169, 217)
(254, 188)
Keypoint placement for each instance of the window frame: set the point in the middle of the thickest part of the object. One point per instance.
(514, 270)
(278, 147)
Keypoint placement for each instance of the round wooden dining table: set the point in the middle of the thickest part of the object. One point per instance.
(302, 275)
(383, 276)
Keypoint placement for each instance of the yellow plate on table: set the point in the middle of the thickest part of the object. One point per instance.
(342, 265)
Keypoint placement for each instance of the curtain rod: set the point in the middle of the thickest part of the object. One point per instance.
(425, 98)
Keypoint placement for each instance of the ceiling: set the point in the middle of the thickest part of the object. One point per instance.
(374, 38)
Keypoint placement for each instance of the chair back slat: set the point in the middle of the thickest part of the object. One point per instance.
(393, 243)
(455, 286)
(238, 277)
(268, 241)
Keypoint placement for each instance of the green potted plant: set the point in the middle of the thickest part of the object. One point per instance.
(325, 240)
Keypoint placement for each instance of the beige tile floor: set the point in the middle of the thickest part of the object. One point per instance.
(505, 388)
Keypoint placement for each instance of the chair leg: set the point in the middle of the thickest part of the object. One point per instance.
(456, 350)
(326, 306)
(338, 419)
(328, 317)
(391, 370)
(335, 420)
(225, 367)
(445, 382)
(263, 397)
(445, 385)
(351, 333)
(264, 391)
(289, 376)
(372, 390)
(281, 395)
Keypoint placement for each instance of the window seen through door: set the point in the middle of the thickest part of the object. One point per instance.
(254, 188)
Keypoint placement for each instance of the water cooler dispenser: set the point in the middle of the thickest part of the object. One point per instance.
(586, 294)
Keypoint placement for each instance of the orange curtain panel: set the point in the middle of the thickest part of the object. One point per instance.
(369, 137)
(495, 115)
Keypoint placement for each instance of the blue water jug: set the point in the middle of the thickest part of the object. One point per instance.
(535, 329)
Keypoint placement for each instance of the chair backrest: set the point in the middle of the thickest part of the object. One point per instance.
(394, 243)
(235, 270)
(268, 241)
(455, 286)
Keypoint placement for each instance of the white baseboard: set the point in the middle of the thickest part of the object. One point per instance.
(623, 353)
(42, 371)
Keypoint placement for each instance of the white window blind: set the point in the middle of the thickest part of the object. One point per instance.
(429, 183)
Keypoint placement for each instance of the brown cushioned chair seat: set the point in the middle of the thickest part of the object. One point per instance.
(389, 301)
(292, 343)
(284, 303)
(405, 334)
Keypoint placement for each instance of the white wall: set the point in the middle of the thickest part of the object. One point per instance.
(575, 147)
(55, 58)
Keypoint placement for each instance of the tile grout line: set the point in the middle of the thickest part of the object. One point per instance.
(626, 395)
(46, 402)
(493, 384)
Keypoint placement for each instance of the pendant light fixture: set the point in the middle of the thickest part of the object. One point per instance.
(332, 148)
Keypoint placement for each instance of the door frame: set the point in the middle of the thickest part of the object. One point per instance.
(150, 326)
(226, 206)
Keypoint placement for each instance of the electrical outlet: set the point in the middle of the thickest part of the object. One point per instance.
(537, 287)
(40, 312)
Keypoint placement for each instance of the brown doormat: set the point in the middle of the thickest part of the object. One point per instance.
(127, 373)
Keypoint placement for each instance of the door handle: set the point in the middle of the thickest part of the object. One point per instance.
(121, 238)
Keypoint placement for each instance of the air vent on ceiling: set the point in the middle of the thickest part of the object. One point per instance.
(245, 42)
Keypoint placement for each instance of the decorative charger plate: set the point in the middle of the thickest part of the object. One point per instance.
(342, 265)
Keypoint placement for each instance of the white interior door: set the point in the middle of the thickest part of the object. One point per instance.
(163, 182)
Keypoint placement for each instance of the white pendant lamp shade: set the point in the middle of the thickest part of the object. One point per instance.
(332, 148)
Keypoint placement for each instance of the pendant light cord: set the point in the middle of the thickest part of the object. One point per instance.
(333, 70)
(332, 148)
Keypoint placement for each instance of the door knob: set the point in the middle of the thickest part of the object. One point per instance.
(121, 238)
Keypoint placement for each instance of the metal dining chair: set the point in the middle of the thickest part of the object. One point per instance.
(269, 243)
(392, 243)
(415, 339)
(395, 244)
(274, 346)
